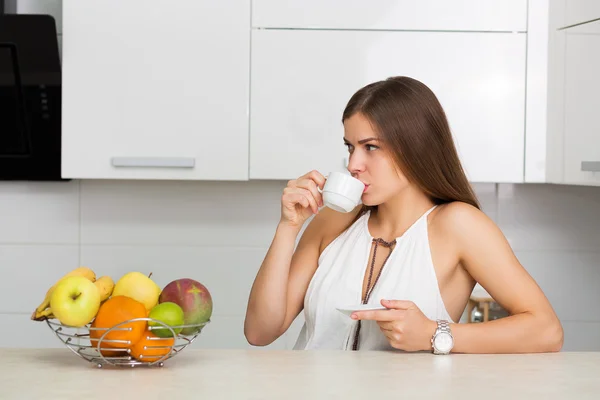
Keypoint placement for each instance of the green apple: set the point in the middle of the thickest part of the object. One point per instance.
(171, 314)
(75, 301)
(138, 287)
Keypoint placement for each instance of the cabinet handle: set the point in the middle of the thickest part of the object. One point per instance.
(590, 166)
(154, 162)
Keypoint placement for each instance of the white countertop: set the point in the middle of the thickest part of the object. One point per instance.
(258, 374)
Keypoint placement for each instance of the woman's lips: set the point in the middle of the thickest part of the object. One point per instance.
(366, 187)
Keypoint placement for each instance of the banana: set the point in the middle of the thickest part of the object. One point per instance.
(45, 304)
(40, 316)
(105, 285)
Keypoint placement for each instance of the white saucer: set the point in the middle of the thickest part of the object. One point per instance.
(348, 310)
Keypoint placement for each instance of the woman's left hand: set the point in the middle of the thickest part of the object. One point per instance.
(403, 323)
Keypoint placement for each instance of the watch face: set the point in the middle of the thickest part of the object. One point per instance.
(443, 342)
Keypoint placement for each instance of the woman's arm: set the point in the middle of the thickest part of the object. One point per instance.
(278, 291)
(487, 256)
(277, 294)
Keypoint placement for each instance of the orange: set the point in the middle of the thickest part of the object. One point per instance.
(114, 311)
(106, 353)
(151, 348)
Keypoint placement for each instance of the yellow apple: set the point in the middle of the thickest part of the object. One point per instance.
(138, 287)
(75, 301)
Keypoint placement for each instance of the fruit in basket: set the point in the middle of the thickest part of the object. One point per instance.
(46, 314)
(41, 312)
(104, 350)
(75, 301)
(170, 314)
(151, 348)
(114, 311)
(138, 287)
(105, 285)
(194, 299)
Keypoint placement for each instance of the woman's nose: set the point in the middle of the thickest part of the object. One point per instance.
(355, 165)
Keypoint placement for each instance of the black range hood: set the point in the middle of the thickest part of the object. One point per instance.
(30, 98)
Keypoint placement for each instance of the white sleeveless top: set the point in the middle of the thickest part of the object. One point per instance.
(407, 275)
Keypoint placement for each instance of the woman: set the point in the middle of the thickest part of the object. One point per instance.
(416, 247)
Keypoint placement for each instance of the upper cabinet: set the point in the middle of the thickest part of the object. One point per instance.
(582, 104)
(255, 89)
(573, 87)
(302, 80)
(444, 15)
(155, 89)
(578, 11)
(303, 77)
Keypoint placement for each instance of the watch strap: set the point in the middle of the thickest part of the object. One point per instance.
(443, 326)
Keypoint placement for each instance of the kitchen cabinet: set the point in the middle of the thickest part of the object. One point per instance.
(573, 131)
(453, 15)
(241, 89)
(156, 90)
(581, 104)
(579, 11)
(302, 79)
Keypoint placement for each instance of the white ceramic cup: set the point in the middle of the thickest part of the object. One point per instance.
(342, 192)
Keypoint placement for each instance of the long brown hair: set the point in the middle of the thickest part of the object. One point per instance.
(412, 123)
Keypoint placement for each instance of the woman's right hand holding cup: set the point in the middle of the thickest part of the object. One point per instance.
(301, 198)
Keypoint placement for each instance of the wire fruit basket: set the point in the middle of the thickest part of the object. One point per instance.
(102, 351)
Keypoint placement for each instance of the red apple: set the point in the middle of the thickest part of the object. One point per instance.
(193, 298)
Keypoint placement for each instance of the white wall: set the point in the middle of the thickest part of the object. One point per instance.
(218, 233)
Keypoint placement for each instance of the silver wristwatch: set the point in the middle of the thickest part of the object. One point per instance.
(442, 340)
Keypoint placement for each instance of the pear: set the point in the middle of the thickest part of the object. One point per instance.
(139, 287)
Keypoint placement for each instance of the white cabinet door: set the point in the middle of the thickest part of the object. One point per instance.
(459, 15)
(155, 89)
(581, 11)
(582, 105)
(302, 80)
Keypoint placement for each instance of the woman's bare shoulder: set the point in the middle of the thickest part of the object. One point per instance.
(457, 211)
(463, 223)
(329, 224)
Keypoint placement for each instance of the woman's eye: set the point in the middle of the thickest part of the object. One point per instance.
(349, 146)
(371, 147)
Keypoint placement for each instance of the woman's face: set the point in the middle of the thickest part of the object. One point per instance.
(371, 163)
